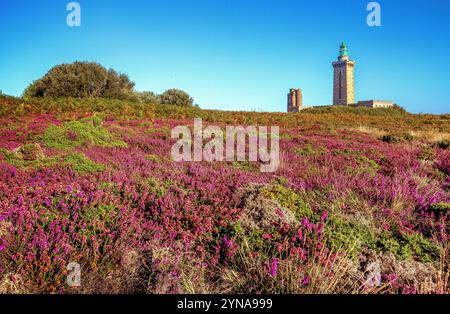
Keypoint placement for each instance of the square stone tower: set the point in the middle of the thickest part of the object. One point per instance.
(343, 82)
(295, 100)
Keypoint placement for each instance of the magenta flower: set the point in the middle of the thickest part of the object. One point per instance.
(306, 280)
(272, 267)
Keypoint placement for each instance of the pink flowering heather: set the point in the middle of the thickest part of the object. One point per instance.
(103, 192)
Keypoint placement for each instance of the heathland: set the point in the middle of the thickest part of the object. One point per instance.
(359, 204)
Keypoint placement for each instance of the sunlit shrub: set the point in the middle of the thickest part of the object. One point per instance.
(81, 80)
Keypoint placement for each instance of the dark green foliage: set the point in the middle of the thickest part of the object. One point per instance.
(81, 80)
(176, 97)
(443, 144)
(440, 208)
(409, 246)
(397, 138)
(349, 236)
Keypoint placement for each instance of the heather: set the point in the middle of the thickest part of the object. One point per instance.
(91, 181)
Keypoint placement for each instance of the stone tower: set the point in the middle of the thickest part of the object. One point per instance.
(295, 100)
(343, 82)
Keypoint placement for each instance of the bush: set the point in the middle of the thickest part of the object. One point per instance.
(349, 236)
(408, 246)
(443, 144)
(81, 80)
(147, 97)
(440, 208)
(176, 97)
(80, 133)
(81, 164)
(397, 138)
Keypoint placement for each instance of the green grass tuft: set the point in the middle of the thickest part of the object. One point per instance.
(80, 133)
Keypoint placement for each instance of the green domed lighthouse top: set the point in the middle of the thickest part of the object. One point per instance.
(343, 52)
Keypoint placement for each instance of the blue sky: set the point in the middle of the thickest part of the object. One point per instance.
(238, 54)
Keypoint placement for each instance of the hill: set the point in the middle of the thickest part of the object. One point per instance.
(359, 203)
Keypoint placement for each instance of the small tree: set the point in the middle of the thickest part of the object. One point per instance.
(147, 97)
(81, 80)
(176, 97)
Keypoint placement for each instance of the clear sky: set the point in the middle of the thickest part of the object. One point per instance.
(238, 54)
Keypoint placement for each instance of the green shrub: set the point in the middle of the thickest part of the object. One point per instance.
(255, 240)
(147, 97)
(348, 236)
(290, 200)
(80, 163)
(397, 138)
(81, 80)
(176, 97)
(80, 133)
(10, 157)
(408, 246)
(440, 208)
(443, 144)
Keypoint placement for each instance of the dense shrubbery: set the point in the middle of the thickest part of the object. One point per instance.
(81, 80)
(176, 97)
(430, 125)
(147, 97)
(91, 181)
(86, 177)
(91, 80)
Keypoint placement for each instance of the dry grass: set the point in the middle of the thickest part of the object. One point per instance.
(369, 130)
(429, 135)
(330, 275)
(12, 284)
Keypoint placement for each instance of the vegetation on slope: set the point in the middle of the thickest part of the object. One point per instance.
(91, 181)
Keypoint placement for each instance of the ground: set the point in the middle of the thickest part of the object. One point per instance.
(359, 193)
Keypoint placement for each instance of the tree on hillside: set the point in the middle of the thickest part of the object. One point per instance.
(81, 80)
(147, 97)
(176, 97)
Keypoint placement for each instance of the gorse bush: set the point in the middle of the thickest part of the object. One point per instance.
(81, 80)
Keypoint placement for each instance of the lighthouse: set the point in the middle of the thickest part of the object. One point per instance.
(343, 78)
